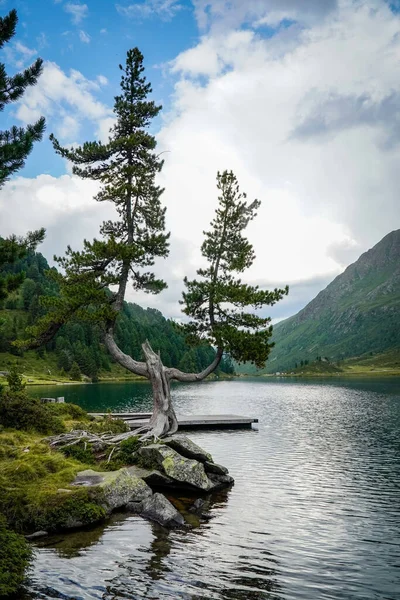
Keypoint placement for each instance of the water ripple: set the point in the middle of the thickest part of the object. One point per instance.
(314, 513)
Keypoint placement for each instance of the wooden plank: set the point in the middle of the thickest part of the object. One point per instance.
(204, 422)
(136, 420)
(122, 415)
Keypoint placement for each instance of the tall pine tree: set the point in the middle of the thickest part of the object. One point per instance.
(126, 166)
(15, 145)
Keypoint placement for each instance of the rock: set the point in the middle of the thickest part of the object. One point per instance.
(185, 447)
(37, 534)
(135, 507)
(158, 508)
(220, 481)
(118, 487)
(187, 473)
(211, 467)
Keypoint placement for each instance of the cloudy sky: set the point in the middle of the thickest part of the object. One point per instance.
(300, 98)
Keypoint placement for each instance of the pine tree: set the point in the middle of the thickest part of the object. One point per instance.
(16, 143)
(216, 301)
(126, 167)
(75, 372)
(15, 146)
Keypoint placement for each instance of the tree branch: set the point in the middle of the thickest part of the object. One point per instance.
(138, 368)
(172, 373)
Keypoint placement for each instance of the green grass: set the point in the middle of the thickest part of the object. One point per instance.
(44, 371)
(386, 363)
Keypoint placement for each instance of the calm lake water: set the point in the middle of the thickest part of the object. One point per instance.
(314, 513)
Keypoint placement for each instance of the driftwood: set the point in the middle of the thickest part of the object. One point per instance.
(98, 442)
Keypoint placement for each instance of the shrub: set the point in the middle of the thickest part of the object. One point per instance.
(65, 409)
(15, 555)
(20, 411)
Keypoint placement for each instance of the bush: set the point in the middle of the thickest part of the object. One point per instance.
(15, 555)
(20, 411)
(65, 409)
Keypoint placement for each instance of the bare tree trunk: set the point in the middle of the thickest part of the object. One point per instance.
(163, 420)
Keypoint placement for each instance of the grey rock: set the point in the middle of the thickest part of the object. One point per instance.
(211, 467)
(134, 507)
(220, 481)
(186, 472)
(185, 447)
(159, 509)
(37, 534)
(118, 487)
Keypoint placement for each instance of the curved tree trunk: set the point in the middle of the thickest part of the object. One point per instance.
(163, 420)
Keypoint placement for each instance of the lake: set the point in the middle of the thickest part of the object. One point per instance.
(314, 513)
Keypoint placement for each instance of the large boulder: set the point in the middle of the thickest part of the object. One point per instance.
(184, 472)
(158, 508)
(185, 447)
(117, 487)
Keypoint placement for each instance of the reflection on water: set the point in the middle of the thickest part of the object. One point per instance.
(314, 513)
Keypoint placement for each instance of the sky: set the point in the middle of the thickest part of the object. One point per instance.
(300, 98)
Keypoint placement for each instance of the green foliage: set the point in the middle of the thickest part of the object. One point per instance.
(217, 301)
(81, 453)
(20, 411)
(15, 556)
(14, 380)
(126, 167)
(75, 372)
(16, 143)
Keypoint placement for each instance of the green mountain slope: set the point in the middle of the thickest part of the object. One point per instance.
(356, 314)
(81, 343)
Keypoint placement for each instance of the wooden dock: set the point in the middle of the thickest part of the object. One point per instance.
(136, 420)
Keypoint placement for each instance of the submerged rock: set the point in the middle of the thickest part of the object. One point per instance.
(158, 508)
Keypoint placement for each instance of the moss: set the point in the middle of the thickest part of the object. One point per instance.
(66, 510)
(15, 555)
(81, 453)
(30, 476)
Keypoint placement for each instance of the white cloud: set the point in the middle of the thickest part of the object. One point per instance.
(102, 80)
(84, 37)
(64, 100)
(303, 119)
(165, 9)
(63, 205)
(239, 102)
(77, 11)
(19, 55)
(233, 13)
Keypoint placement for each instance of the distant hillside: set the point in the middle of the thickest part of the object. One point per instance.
(357, 314)
(81, 342)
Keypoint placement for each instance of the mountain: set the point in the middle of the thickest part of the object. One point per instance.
(356, 314)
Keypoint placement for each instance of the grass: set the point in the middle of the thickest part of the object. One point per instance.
(44, 371)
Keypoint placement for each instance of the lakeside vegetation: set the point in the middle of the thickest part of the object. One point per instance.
(369, 365)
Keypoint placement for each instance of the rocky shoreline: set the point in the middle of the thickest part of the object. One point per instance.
(169, 467)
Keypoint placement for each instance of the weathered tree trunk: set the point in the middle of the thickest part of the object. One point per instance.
(163, 420)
